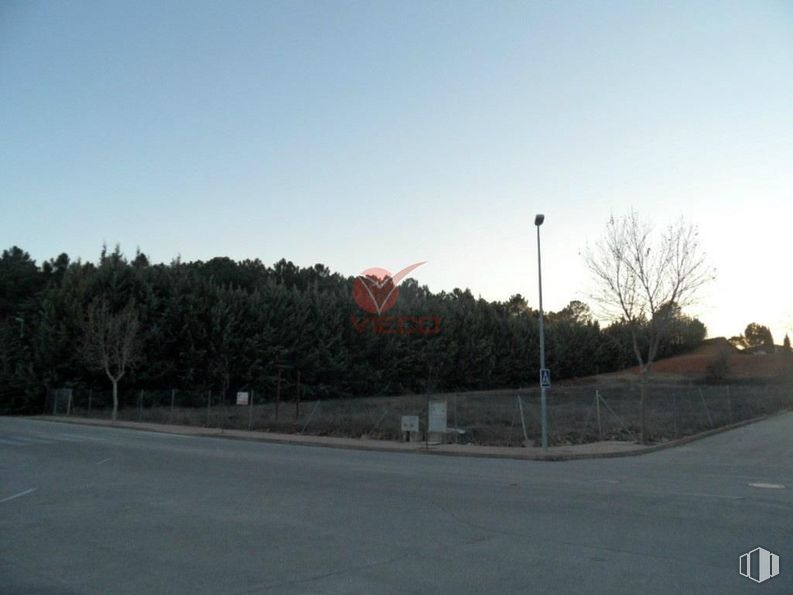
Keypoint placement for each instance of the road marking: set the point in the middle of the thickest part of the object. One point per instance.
(22, 441)
(65, 438)
(700, 495)
(103, 461)
(19, 495)
(12, 442)
(768, 486)
(75, 437)
(32, 439)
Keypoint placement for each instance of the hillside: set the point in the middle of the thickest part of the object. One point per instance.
(740, 366)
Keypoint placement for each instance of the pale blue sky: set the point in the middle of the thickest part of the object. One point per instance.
(362, 134)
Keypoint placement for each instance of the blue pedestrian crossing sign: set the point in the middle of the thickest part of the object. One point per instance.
(545, 378)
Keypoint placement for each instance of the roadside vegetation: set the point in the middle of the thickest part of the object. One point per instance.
(228, 326)
(175, 343)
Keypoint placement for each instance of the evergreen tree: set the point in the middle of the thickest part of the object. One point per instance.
(223, 325)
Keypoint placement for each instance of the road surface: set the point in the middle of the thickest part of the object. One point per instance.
(104, 510)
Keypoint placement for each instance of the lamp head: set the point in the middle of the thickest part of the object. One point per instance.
(538, 220)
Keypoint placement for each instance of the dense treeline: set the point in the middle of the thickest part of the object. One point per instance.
(229, 325)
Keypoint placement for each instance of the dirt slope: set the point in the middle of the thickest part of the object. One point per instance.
(741, 366)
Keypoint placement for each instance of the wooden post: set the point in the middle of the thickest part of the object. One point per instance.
(140, 404)
(297, 401)
(55, 392)
(173, 402)
(69, 403)
(674, 412)
(90, 398)
(597, 409)
(278, 394)
(209, 404)
(729, 404)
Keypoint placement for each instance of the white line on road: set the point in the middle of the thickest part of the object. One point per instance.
(32, 439)
(76, 437)
(12, 442)
(103, 460)
(768, 486)
(65, 438)
(701, 495)
(23, 441)
(19, 495)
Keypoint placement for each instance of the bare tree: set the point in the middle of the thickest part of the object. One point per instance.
(111, 342)
(644, 279)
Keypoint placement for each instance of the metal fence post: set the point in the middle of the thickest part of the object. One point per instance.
(705, 405)
(597, 409)
(456, 433)
(374, 427)
(250, 411)
(278, 394)
(308, 421)
(523, 422)
(297, 401)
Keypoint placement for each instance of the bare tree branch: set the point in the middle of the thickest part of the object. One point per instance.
(111, 341)
(644, 279)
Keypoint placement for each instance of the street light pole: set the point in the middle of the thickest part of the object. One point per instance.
(538, 220)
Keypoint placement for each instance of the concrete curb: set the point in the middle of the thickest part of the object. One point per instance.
(395, 447)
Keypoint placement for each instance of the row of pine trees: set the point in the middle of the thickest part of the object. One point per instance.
(228, 326)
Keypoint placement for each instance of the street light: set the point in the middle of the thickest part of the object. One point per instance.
(538, 221)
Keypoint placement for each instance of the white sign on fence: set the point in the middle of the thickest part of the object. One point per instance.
(410, 423)
(242, 398)
(437, 416)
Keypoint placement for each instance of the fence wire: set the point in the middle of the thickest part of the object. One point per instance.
(576, 414)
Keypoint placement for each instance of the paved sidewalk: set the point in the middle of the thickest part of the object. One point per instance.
(554, 453)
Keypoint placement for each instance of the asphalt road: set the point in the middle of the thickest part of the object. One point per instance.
(103, 510)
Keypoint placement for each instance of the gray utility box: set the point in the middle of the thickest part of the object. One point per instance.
(410, 428)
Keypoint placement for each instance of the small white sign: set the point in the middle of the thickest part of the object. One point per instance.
(410, 423)
(437, 416)
(242, 398)
(545, 378)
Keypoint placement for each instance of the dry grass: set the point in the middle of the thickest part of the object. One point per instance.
(488, 417)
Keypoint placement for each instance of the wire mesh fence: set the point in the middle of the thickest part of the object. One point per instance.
(576, 414)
